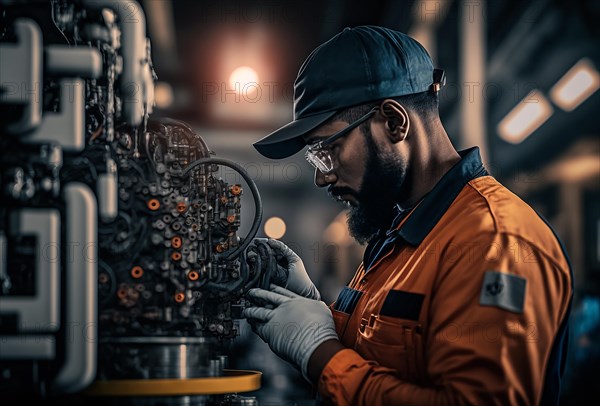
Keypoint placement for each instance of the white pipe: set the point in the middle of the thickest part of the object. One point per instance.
(133, 50)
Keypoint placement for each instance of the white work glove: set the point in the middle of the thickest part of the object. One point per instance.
(296, 278)
(292, 325)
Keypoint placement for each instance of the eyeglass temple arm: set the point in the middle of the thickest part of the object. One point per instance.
(361, 120)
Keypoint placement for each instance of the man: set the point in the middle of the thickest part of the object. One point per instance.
(464, 292)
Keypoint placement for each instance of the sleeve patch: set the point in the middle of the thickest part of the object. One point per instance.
(503, 290)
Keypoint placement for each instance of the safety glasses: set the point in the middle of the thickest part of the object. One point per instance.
(319, 154)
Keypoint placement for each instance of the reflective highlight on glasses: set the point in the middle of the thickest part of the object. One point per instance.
(319, 155)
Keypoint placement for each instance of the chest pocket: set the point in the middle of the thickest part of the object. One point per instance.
(394, 337)
(343, 307)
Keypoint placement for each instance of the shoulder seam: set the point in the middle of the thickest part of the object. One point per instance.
(517, 236)
(496, 227)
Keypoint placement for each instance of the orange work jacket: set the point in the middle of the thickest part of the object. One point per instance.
(463, 301)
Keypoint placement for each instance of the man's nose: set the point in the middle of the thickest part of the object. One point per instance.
(322, 180)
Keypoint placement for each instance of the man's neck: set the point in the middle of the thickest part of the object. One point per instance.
(434, 156)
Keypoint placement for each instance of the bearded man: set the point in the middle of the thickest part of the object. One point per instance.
(464, 292)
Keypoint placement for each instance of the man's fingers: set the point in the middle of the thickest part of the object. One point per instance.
(283, 291)
(271, 297)
(282, 249)
(279, 275)
(252, 323)
(257, 313)
(258, 328)
(276, 244)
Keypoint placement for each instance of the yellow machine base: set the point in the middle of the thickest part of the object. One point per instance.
(233, 381)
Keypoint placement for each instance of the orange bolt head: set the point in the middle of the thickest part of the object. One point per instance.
(176, 256)
(179, 297)
(193, 276)
(176, 242)
(153, 204)
(221, 247)
(137, 272)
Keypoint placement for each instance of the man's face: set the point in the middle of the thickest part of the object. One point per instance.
(367, 178)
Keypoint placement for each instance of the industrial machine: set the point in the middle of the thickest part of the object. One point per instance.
(122, 271)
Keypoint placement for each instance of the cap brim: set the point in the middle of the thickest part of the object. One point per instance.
(288, 140)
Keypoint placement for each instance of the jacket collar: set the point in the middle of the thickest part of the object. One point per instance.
(432, 207)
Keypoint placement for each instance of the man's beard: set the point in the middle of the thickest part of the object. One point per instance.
(380, 190)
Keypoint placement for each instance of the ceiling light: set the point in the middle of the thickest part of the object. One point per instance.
(525, 118)
(244, 80)
(579, 83)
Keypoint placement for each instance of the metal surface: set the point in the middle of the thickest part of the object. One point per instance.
(106, 190)
(159, 358)
(79, 368)
(32, 347)
(73, 62)
(67, 126)
(132, 23)
(21, 75)
(39, 313)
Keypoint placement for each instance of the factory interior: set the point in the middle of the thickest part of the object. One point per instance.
(123, 123)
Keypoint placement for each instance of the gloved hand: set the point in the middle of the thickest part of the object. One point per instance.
(295, 277)
(294, 327)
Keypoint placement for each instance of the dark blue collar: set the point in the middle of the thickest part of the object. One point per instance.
(438, 200)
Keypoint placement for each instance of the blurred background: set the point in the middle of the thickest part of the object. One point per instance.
(522, 84)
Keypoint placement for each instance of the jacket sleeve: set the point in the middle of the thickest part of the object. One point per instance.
(475, 353)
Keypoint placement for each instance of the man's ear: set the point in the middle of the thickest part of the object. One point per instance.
(397, 120)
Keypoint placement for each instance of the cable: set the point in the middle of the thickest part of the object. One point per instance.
(257, 201)
(53, 6)
(271, 264)
(257, 273)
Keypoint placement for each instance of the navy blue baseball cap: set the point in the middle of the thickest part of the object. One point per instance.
(357, 66)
